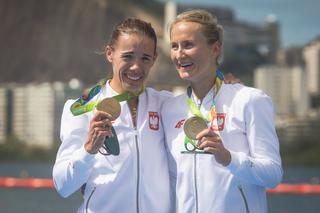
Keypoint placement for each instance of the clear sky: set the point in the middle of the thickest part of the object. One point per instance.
(299, 19)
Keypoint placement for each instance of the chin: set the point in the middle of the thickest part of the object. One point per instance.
(133, 88)
(185, 75)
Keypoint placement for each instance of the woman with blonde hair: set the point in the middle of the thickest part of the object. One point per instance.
(227, 151)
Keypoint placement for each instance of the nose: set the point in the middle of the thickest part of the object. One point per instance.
(135, 66)
(180, 53)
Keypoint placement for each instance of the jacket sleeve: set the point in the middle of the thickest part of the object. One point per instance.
(263, 165)
(73, 164)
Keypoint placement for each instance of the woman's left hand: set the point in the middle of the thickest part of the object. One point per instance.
(229, 78)
(211, 142)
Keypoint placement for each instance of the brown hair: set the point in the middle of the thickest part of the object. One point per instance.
(133, 26)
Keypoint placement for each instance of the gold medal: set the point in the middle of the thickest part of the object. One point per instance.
(111, 106)
(193, 126)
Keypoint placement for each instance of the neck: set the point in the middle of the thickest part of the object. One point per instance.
(201, 87)
(116, 87)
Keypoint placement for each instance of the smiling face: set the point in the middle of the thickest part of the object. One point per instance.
(194, 58)
(132, 57)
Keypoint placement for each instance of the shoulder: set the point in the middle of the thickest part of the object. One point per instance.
(174, 102)
(243, 93)
(71, 124)
(68, 117)
(161, 95)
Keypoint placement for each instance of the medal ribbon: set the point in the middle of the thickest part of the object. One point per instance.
(81, 105)
(193, 107)
(196, 111)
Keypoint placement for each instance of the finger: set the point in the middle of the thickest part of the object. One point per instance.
(204, 133)
(208, 137)
(103, 124)
(211, 150)
(98, 135)
(100, 115)
(209, 143)
(229, 78)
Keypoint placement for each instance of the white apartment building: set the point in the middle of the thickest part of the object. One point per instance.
(311, 55)
(3, 112)
(287, 88)
(33, 114)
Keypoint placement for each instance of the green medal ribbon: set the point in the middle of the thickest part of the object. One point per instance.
(81, 105)
(196, 111)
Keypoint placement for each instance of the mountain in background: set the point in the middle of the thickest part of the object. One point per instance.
(45, 40)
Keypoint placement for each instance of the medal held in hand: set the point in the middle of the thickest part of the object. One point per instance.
(194, 126)
(111, 144)
(111, 106)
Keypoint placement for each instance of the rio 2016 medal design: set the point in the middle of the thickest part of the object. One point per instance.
(193, 126)
(111, 106)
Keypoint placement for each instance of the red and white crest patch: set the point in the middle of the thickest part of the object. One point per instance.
(154, 120)
(217, 124)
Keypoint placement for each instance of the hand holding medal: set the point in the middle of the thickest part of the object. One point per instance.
(192, 127)
(104, 138)
(113, 108)
(211, 142)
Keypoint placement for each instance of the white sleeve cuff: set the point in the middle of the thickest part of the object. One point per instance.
(83, 159)
(235, 162)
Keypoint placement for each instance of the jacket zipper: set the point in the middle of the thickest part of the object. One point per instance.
(244, 198)
(138, 155)
(138, 169)
(195, 168)
(195, 179)
(89, 198)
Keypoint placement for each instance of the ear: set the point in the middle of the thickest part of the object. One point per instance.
(108, 51)
(155, 57)
(216, 49)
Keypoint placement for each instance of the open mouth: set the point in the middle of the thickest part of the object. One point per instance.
(185, 65)
(132, 77)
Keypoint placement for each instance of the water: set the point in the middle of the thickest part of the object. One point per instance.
(18, 200)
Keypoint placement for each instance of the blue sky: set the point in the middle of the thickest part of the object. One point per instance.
(299, 19)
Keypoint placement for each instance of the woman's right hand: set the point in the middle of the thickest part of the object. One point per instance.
(100, 128)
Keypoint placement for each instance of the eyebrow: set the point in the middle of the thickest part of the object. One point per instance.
(131, 52)
(147, 55)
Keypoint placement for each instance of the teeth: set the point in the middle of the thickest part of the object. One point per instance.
(133, 78)
(186, 64)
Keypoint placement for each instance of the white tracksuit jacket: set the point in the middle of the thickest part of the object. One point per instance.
(245, 120)
(134, 181)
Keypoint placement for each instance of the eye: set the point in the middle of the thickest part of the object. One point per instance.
(146, 58)
(127, 57)
(188, 44)
(174, 46)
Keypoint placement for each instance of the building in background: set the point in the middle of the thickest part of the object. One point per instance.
(245, 45)
(31, 113)
(287, 86)
(311, 54)
(3, 113)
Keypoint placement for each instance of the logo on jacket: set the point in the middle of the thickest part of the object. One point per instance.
(154, 120)
(180, 124)
(217, 124)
